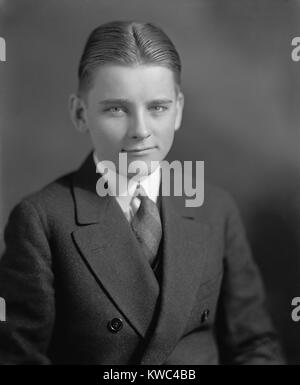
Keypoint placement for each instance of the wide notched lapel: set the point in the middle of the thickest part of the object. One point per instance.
(185, 254)
(109, 248)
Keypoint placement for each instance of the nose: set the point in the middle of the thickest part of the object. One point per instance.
(139, 128)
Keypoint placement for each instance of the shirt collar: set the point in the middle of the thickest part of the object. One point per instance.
(150, 183)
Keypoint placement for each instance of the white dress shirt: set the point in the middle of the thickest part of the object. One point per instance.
(126, 199)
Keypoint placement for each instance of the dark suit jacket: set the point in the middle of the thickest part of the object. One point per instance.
(72, 265)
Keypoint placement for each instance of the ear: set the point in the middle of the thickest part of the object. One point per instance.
(77, 110)
(179, 110)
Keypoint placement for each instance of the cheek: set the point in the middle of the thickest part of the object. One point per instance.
(168, 141)
(108, 130)
(165, 131)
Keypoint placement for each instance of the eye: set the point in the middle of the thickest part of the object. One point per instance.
(116, 110)
(159, 108)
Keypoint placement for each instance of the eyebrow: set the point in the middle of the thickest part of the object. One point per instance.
(127, 101)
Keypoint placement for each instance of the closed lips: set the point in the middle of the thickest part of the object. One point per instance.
(138, 149)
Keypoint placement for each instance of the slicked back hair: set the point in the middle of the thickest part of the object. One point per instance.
(126, 43)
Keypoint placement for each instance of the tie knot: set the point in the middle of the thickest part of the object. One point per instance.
(141, 203)
(140, 192)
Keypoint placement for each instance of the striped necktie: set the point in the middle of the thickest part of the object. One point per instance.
(146, 225)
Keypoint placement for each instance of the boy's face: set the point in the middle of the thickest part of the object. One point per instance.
(132, 109)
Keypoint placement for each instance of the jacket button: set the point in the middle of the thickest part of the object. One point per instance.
(205, 315)
(115, 325)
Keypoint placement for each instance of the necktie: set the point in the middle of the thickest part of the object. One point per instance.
(146, 225)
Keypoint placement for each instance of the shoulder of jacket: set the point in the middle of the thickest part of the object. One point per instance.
(55, 193)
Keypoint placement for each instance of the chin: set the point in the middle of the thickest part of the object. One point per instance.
(147, 167)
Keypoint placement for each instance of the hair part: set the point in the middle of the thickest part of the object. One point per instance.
(127, 43)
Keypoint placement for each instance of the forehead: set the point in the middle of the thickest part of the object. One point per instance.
(138, 81)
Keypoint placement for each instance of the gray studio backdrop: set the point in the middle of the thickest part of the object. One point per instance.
(242, 114)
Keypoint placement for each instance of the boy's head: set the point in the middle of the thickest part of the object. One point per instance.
(129, 97)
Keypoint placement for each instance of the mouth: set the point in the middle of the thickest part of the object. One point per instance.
(139, 150)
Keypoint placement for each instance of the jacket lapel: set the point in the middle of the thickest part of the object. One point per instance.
(184, 258)
(110, 249)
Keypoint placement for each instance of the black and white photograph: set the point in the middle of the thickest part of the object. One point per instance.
(149, 185)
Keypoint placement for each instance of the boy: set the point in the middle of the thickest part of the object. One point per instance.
(135, 278)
